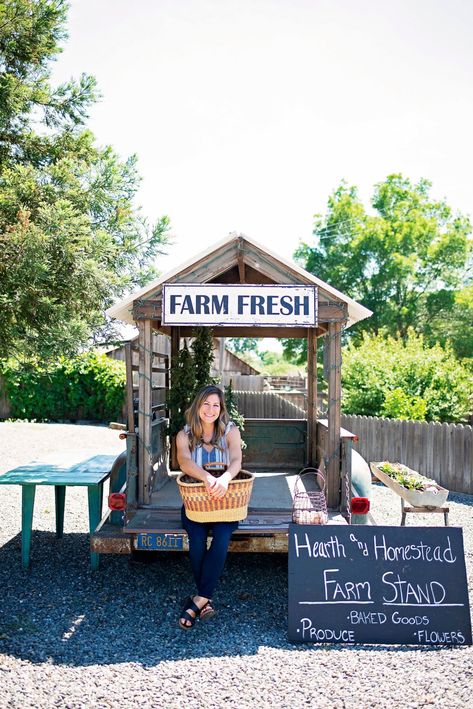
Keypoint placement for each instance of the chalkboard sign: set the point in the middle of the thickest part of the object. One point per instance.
(378, 585)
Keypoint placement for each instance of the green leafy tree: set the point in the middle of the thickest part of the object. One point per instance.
(71, 238)
(295, 350)
(394, 261)
(399, 405)
(450, 321)
(275, 363)
(240, 345)
(387, 376)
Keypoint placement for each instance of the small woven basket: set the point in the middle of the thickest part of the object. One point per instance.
(309, 506)
(200, 507)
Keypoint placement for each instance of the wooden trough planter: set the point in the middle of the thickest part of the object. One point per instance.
(434, 496)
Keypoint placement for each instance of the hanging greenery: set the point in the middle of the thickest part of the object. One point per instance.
(191, 373)
(235, 416)
(202, 347)
(182, 390)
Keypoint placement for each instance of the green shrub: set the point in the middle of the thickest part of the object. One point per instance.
(399, 405)
(387, 376)
(88, 386)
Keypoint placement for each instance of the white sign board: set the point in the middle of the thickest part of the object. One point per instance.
(235, 304)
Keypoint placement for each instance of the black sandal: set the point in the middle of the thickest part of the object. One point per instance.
(189, 605)
(207, 611)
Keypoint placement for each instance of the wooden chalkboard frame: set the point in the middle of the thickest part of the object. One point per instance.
(389, 585)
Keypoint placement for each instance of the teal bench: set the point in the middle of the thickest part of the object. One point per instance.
(90, 473)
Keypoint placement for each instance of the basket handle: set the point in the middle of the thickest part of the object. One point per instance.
(310, 471)
(217, 465)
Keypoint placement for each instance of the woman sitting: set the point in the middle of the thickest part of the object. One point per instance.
(209, 436)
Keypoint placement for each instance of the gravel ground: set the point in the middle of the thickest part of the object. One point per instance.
(72, 638)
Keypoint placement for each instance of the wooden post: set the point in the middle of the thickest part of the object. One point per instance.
(167, 379)
(175, 344)
(311, 396)
(346, 491)
(130, 415)
(132, 441)
(332, 461)
(145, 344)
(221, 361)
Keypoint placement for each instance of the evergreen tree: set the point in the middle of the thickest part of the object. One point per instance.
(37, 121)
(71, 238)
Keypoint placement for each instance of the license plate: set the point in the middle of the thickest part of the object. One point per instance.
(160, 541)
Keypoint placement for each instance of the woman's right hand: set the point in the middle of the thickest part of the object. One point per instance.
(210, 483)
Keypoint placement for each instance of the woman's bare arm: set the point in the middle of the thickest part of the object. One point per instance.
(187, 465)
(234, 467)
(234, 451)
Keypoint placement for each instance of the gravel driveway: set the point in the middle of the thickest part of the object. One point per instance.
(72, 638)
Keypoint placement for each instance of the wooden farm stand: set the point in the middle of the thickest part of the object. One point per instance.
(276, 448)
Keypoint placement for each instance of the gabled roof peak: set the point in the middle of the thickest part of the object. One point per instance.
(235, 250)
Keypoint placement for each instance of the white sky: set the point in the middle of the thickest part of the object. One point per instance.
(245, 114)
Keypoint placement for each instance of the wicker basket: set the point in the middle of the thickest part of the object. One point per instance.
(309, 506)
(200, 507)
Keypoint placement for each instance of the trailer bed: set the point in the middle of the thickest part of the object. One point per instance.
(271, 489)
(264, 529)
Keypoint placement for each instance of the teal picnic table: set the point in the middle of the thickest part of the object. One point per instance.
(90, 473)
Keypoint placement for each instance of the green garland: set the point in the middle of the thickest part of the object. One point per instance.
(235, 416)
(182, 390)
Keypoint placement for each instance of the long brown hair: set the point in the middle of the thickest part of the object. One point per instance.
(195, 424)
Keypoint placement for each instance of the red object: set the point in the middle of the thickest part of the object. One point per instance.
(117, 501)
(122, 436)
(360, 505)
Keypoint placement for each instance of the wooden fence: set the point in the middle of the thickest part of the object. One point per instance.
(267, 404)
(287, 382)
(242, 382)
(442, 451)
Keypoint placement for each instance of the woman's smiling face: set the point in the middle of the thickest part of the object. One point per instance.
(210, 409)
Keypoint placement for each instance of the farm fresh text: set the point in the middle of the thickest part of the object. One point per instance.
(239, 304)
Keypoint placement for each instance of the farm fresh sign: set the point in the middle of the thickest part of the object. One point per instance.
(229, 304)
